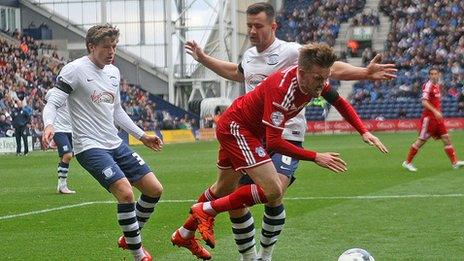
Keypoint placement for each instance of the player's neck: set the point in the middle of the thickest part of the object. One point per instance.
(264, 47)
(94, 61)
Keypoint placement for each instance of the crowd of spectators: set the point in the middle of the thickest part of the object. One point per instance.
(423, 34)
(27, 72)
(305, 21)
(366, 18)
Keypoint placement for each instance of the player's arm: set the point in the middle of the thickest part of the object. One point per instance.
(374, 71)
(125, 122)
(349, 114)
(329, 160)
(224, 69)
(56, 98)
(429, 106)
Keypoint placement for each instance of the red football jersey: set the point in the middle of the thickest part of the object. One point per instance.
(432, 93)
(274, 101)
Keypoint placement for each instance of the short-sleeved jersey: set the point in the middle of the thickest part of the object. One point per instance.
(93, 95)
(272, 103)
(62, 121)
(256, 66)
(432, 93)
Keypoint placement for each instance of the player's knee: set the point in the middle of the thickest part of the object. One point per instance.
(274, 193)
(125, 197)
(67, 157)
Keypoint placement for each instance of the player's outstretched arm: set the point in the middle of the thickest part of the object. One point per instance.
(372, 140)
(331, 160)
(374, 71)
(224, 69)
(152, 141)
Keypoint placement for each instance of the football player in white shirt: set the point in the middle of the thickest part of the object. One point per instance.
(90, 86)
(63, 142)
(268, 55)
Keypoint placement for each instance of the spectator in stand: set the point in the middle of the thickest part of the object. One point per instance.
(5, 125)
(461, 101)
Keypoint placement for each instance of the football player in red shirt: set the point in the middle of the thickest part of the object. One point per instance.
(261, 115)
(432, 123)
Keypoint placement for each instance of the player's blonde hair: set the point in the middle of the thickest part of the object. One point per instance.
(98, 33)
(316, 54)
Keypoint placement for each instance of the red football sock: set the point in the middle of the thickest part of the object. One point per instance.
(451, 154)
(247, 195)
(190, 223)
(411, 154)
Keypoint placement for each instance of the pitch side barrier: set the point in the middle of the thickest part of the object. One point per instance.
(401, 125)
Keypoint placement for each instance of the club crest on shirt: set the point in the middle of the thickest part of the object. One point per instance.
(114, 81)
(277, 118)
(260, 151)
(273, 59)
(102, 97)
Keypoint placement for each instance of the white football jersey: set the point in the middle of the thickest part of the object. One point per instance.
(62, 121)
(94, 95)
(257, 66)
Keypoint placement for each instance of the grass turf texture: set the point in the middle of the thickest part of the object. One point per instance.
(321, 222)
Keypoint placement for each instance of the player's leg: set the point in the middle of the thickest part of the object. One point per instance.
(64, 145)
(103, 167)
(424, 135)
(267, 188)
(184, 236)
(18, 135)
(451, 152)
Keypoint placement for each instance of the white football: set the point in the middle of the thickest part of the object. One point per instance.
(356, 254)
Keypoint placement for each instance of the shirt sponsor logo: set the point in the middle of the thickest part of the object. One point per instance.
(103, 97)
(89, 80)
(277, 118)
(255, 79)
(260, 151)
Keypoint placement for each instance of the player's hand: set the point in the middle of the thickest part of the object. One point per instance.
(378, 71)
(192, 48)
(153, 142)
(374, 141)
(47, 135)
(331, 160)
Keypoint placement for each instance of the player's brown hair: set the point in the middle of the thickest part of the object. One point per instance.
(257, 8)
(434, 69)
(98, 33)
(316, 54)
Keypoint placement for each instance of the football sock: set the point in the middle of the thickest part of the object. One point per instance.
(244, 232)
(451, 154)
(63, 169)
(144, 208)
(412, 152)
(273, 223)
(130, 227)
(190, 225)
(247, 195)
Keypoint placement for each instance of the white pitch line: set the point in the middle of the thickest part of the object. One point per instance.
(295, 198)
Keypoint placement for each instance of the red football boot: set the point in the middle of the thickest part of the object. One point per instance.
(191, 244)
(205, 223)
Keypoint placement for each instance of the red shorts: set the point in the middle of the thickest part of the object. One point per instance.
(431, 127)
(239, 148)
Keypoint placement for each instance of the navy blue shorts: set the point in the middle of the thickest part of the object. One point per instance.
(108, 166)
(63, 141)
(284, 165)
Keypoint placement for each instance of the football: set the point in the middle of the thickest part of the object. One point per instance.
(356, 254)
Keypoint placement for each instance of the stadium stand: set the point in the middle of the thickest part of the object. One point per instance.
(423, 34)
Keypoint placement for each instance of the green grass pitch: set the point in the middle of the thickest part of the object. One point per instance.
(398, 215)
